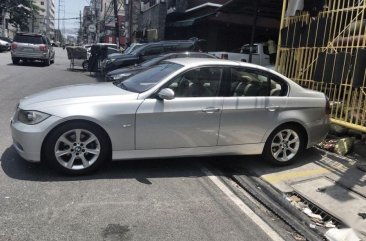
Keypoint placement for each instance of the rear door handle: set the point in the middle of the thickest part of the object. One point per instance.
(272, 108)
(211, 110)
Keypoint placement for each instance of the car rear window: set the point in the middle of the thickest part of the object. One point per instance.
(28, 39)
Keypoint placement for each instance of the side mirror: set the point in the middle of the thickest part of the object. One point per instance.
(166, 94)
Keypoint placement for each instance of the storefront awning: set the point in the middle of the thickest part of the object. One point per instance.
(188, 22)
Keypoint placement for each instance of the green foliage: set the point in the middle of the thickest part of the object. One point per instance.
(21, 16)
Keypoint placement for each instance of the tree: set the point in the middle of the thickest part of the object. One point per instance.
(21, 12)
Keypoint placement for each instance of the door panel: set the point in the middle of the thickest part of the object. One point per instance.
(254, 102)
(178, 123)
(246, 119)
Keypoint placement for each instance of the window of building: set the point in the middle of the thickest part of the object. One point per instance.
(42, 3)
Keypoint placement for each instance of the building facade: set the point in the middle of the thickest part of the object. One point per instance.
(44, 22)
(98, 23)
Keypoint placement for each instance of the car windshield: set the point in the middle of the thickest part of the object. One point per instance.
(153, 61)
(147, 79)
(28, 39)
(136, 49)
(130, 49)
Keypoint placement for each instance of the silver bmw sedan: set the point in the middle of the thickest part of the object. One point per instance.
(181, 107)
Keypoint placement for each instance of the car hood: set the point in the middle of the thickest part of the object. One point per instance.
(76, 94)
(2, 42)
(127, 70)
(119, 56)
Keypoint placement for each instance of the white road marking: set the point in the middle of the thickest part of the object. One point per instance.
(243, 207)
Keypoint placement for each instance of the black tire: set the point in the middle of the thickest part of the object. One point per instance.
(47, 62)
(52, 143)
(15, 61)
(270, 151)
(85, 65)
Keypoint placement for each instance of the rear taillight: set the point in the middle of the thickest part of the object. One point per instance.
(14, 46)
(43, 48)
(328, 109)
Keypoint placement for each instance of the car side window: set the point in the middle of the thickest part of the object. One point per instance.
(200, 82)
(249, 82)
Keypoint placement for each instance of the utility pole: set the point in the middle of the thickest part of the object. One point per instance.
(3, 20)
(254, 26)
(116, 22)
(58, 21)
(81, 29)
(32, 16)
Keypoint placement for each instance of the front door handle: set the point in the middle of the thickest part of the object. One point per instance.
(272, 108)
(211, 110)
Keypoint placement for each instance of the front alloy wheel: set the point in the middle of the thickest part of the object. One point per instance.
(76, 148)
(284, 145)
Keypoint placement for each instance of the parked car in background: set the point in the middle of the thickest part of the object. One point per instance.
(123, 73)
(109, 51)
(260, 54)
(181, 107)
(132, 47)
(8, 40)
(146, 52)
(55, 43)
(4, 46)
(30, 47)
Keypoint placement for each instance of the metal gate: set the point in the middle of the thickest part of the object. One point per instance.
(323, 47)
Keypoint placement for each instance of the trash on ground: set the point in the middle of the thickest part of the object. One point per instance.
(345, 234)
(362, 167)
(340, 146)
(343, 146)
(329, 224)
(362, 215)
(314, 217)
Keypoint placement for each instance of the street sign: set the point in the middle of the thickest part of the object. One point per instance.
(92, 28)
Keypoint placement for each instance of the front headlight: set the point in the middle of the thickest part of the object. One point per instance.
(120, 76)
(31, 117)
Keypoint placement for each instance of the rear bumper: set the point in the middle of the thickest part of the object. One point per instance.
(34, 56)
(317, 131)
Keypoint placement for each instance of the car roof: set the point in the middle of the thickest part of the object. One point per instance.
(191, 62)
(187, 53)
(30, 34)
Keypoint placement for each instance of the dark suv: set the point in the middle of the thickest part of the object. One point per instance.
(30, 46)
(146, 52)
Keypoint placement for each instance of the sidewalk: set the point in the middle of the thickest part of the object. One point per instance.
(333, 183)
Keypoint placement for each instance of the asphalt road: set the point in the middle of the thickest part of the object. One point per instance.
(170, 199)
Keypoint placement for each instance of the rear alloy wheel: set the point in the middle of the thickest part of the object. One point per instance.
(76, 148)
(283, 145)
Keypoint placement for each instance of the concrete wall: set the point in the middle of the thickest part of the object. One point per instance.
(154, 18)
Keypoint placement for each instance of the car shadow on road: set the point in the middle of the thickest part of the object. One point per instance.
(141, 170)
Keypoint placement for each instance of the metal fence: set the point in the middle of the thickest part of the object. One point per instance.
(323, 47)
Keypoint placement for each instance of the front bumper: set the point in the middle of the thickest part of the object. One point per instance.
(28, 139)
